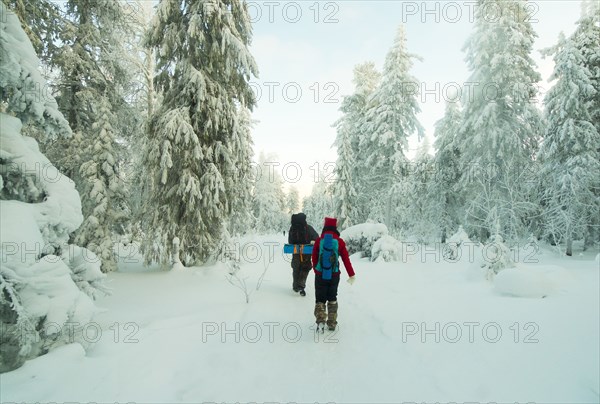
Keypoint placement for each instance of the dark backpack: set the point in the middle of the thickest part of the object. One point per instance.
(328, 256)
(299, 229)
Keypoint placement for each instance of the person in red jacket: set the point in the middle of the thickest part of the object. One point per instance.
(326, 305)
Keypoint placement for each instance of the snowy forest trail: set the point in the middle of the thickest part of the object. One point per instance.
(408, 331)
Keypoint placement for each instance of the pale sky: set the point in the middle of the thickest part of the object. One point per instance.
(306, 52)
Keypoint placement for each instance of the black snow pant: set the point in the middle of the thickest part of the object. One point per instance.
(326, 290)
(301, 266)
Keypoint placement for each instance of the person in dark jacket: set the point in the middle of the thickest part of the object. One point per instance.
(326, 305)
(301, 233)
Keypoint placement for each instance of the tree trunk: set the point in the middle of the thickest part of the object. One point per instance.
(388, 210)
(569, 240)
(388, 206)
(589, 238)
(175, 258)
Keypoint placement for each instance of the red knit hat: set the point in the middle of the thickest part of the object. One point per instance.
(330, 222)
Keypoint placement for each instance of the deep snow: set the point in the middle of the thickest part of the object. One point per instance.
(189, 336)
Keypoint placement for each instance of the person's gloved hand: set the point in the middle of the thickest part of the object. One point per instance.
(312, 242)
(351, 280)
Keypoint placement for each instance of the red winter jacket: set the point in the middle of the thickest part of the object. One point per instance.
(342, 250)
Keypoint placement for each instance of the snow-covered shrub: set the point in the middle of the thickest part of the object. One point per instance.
(496, 256)
(531, 247)
(453, 250)
(360, 238)
(386, 249)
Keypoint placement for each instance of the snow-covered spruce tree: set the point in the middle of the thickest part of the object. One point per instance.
(92, 73)
(351, 205)
(319, 204)
(240, 180)
(447, 202)
(416, 212)
(292, 200)
(268, 206)
(502, 126)
(204, 66)
(42, 21)
(143, 98)
(586, 40)
(366, 80)
(569, 155)
(391, 118)
(106, 203)
(345, 196)
(141, 59)
(44, 283)
(91, 90)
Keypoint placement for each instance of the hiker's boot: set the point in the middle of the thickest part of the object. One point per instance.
(320, 314)
(332, 308)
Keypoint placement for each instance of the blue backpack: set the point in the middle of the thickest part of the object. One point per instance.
(328, 257)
